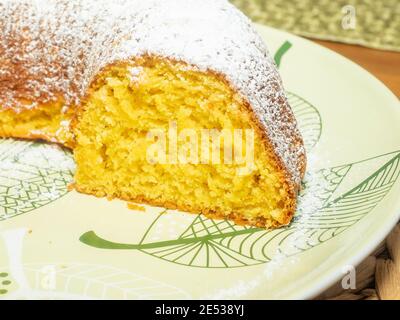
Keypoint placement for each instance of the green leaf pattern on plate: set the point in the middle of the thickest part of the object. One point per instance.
(308, 119)
(32, 174)
(86, 281)
(221, 244)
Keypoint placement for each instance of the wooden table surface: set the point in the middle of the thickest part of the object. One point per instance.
(385, 65)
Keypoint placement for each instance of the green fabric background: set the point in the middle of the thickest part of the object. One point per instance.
(377, 21)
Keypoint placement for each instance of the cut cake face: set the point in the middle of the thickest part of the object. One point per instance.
(163, 133)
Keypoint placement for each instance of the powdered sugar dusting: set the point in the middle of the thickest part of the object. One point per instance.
(54, 48)
(134, 74)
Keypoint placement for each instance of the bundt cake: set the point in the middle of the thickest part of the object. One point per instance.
(150, 95)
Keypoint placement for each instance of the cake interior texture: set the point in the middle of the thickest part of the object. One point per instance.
(49, 121)
(130, 99)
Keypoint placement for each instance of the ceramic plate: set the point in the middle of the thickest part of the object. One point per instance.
(60, 244)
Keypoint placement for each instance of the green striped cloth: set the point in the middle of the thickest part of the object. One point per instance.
(371, 23)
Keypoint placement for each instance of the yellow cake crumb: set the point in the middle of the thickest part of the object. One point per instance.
(48, 121)
(134, 206)
(112, 145)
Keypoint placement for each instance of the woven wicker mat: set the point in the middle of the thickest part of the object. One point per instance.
(377, 277)
(371, 23)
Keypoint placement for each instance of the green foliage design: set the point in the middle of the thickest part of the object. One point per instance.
(308, 119)
(321, 216)
(32, 174)
(35, 174)
(77, 281)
